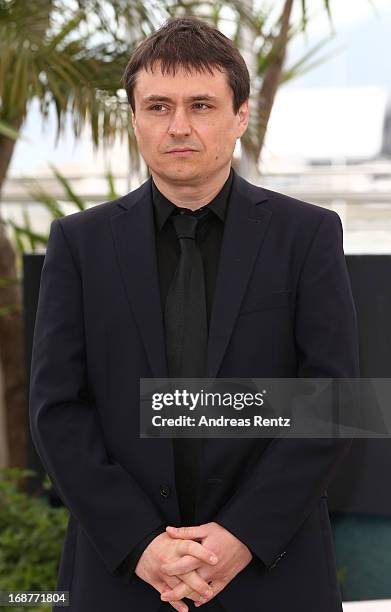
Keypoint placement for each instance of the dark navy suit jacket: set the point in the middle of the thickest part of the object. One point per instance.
(282, 307)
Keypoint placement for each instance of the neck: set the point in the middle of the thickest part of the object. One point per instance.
(192, 196)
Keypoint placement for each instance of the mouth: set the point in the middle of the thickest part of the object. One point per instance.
(182, 152)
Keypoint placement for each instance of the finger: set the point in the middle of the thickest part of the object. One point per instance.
(185, 564)
(192, 595)
(164, 585)
(172, 581)
(201, 600)
(180, 606)
(192, 581)
(196, 598)
(218, 586)
(188, 533)
(189, 547)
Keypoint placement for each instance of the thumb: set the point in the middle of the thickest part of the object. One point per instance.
(188, 533)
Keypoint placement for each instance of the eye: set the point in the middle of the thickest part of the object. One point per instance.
(202, 104)
(155, 106)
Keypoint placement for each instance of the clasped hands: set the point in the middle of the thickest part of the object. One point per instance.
(195, 562)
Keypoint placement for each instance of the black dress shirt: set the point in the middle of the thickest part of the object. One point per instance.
(209, 237)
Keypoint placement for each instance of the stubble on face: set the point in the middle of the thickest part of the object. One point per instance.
(208, 126)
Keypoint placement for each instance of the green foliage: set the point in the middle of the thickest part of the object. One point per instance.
(68, 56)
(31, 537)
(7, 130)
(28, 240)
(342, 573)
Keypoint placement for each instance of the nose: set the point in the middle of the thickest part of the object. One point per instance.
(179, 124)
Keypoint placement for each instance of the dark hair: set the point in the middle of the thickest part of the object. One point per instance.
(189, 43)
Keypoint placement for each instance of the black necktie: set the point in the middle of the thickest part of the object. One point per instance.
(186, 326)
(185, 309)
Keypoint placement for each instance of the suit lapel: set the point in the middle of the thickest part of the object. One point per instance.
(245, 229)
(134, 238)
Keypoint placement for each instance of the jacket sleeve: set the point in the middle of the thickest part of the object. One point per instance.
(287, 481)
(129, 564)
(111, 507)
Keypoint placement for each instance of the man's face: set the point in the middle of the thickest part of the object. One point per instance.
(180, 116)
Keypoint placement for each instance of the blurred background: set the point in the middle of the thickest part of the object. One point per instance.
(320, 130)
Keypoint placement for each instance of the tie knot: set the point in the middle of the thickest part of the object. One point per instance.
(185, 222)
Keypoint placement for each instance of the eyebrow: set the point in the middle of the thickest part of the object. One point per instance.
(157, 98)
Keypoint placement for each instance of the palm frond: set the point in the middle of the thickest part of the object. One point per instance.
(28, 227)
(304, 13)
(25, 231)
(28, 239)
(308, 61)
(8, 131)
(111, 193)
(39, 194)
(50, 51)
(72, 196)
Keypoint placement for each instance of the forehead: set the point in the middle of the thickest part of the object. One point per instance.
(186, 82)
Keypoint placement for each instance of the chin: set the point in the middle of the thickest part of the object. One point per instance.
(184, 173)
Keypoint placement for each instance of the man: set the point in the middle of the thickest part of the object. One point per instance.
(269, 297)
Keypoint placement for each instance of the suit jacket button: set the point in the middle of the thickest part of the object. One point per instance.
(164, 490)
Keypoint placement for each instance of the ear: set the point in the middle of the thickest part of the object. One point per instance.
(133, 118)
(243, 116)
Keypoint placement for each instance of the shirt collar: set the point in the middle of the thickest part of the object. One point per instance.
(163, 207)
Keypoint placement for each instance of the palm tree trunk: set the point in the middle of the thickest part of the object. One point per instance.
(273, 73)
(248, 162)
(12, 358)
